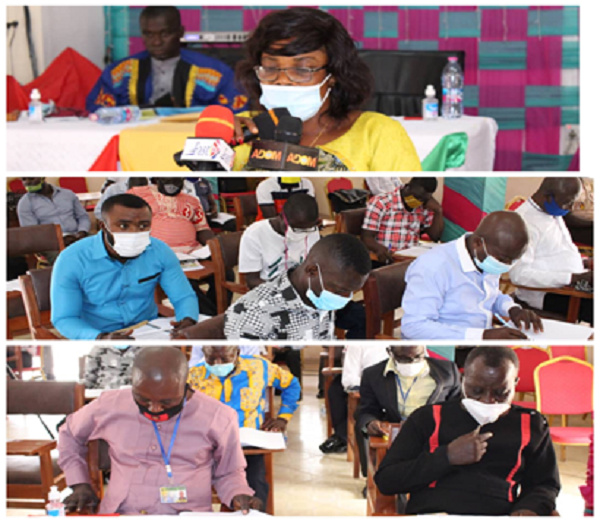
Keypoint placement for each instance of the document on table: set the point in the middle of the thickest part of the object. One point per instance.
(558, 330)
(262, 439)
(188, 262)
(222, 218)
(201, 253)
(13, 286)
(159, 329)
(251, 513)
(416, 250)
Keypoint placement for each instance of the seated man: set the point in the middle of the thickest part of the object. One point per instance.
(200, 447)
(392, 389)
(272, 246)
(272, 193)
(356, 358)
(45, 204)
(289, 307)
(119, 186)
(551, 258)
(395, 221)
(197, 354)
(378, 185)
(109, 366)
(478, 456)
(164, 75)
(105, 284)
(241, 381)
(202, 189)
(452, 291)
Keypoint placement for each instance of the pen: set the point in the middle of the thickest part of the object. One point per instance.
(505, 323)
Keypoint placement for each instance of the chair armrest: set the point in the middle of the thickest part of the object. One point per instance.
(29, 447)
(331, 371)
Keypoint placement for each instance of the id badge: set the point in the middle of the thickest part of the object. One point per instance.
(173, 495)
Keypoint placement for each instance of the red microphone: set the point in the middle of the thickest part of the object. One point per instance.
(209, 149)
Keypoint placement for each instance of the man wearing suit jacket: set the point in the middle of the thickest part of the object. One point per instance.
(392, 389)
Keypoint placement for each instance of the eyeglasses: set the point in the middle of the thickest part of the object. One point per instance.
(294, 74)
(305, 230)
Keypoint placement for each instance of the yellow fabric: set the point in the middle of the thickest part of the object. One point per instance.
(135, 72)
(151, 147)
(419, 393)
(375, 143)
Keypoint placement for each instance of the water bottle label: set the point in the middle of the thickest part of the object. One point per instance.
(60, 512)
(128, 114)
(452, 95)
(431, 108)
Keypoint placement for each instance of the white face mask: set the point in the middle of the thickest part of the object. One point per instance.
(130, 244)
(485, 413)
(302, 101)
(292, 236)
(410, 369)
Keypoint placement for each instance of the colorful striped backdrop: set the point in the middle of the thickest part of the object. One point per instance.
(521, 66)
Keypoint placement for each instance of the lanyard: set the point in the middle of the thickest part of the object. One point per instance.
(167, 456)
(402, 394)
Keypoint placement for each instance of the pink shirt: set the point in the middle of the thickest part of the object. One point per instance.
(207, 451)
(175, 219)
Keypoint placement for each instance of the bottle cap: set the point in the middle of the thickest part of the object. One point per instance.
(430, 91)
(453, 58)
(35, 94)
(54, 494)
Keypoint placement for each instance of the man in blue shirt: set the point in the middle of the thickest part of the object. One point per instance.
(164, 75)
(45, 204)
(452, 291)
(105, 284)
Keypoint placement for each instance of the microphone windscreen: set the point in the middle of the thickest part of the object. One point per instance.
(215, 121)
(289, 130)
(267, 122)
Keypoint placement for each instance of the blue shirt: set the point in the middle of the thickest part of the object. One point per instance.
(63, 208)
(447, 297)
(92, 293)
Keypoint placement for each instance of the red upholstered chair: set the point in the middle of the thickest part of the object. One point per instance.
(578, 352)
(529, 359)
(336, 184)
(77, 185)
(564, 386)
(515, 203)
(16, 186)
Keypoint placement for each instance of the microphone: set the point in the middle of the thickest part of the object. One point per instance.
(284, 152)
(267, 123)
(209, 149)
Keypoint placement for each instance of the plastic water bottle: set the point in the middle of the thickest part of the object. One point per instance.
(36, 114)
(112, 115)
(430, 104)
(452, 89)
(54, 507)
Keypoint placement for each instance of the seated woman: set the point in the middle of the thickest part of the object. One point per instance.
(303, 59)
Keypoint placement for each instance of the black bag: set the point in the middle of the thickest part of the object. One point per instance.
(346, 199)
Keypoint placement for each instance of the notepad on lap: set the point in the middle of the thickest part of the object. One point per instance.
(262, 439)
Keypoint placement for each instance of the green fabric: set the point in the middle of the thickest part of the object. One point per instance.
(449, 153)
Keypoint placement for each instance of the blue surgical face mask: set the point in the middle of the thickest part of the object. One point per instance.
(302, 101)
(220, 370)
(327, 300)
(121, 346)
(554, 209)
(490, 265)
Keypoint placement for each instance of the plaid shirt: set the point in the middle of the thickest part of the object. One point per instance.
(396, 227)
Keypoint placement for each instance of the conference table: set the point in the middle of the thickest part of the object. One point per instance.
(77, 144)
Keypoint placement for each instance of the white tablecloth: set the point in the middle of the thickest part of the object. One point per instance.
(481, 149)
(73, 146)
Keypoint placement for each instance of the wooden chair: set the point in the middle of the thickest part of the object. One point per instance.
(329, 372)
(353, 455)
(245, 209)
(350, 221)
(98, 461)
(224, 251)
(31, 469)
(27, 242)
(35, 289)
(383, 293)
(379, 504)
(334, 184)
(20, 368)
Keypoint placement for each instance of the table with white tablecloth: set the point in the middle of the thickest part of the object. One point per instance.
(74, 145)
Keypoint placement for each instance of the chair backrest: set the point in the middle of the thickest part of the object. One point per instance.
(224, 250)
(246, 210)
(77, 185)
(35, 290)
(578, 352)
(16, 186)
(350, 221)
(21, 241)
(402, 76)
(338, 184)
(564, 386)
(44, 397)
(383, 293)
(529, 359)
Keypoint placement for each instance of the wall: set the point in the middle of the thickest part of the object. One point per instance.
(53, 29)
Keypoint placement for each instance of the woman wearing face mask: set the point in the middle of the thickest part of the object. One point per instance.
(303, 59)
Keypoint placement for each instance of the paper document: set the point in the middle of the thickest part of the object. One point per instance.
(201, 253)
(222, 218)
(262, 439)
(415, 251)
(159, 329)
(558, 330)
(251, 513)
(188, 262)
(13, 286)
